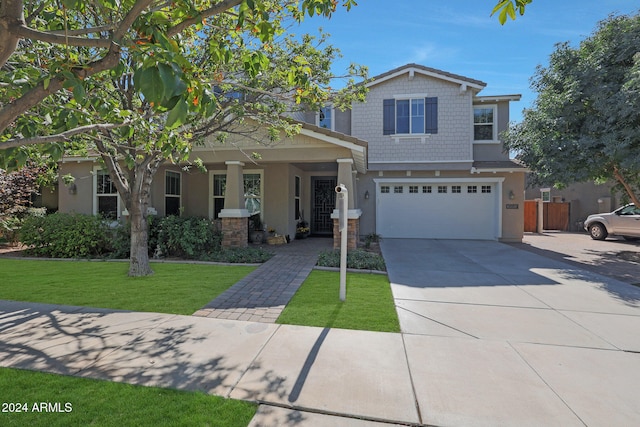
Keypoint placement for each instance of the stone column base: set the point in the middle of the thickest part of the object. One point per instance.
(353, 233)
(235, 232)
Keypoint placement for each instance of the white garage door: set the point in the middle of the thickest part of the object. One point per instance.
(438, 210)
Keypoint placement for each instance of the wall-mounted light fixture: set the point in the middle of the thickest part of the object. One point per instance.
(511, 195)
(73, 189)
(366, 195)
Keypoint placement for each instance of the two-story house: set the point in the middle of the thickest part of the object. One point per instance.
(421, 158)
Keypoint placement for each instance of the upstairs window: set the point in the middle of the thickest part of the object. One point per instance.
(324, 118)
(229, 94)
(416, 116)
(484, 127)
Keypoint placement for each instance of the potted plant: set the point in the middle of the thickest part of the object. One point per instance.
(256, 231)
(302, 229)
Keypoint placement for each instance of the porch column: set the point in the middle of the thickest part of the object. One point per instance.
(235, 229)
(346, 177)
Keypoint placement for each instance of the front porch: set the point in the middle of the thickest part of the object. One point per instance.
(282, 186)
(278, 199)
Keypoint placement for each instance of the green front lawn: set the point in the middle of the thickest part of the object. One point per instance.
(369, 304)
(174, 288)
(83, 402)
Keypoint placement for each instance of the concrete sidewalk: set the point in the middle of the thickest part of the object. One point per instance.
(305, 376)
(492, 336)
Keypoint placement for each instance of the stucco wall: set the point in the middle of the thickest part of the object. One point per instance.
(512, 219)
(512, 209)
(82, 201)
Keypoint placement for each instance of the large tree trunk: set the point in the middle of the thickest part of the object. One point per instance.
(139, 259)
(137, 206)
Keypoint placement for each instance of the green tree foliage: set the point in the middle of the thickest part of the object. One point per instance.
(16, 190)
(139, 82)
(509, 9)
(585, 122)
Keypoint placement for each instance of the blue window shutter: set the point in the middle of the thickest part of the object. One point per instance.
(431, 115)
(389, 117)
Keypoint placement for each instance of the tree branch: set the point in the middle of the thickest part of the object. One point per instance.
(618, 175)
(85, 31)
(60, 137)
(13, 109)
(11, 14)
(115, 171)
(28, 33)
(215, 10)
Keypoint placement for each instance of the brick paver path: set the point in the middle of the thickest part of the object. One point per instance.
(262, 295)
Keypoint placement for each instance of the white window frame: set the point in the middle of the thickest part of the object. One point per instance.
(213, 173)
(332, 117)
(411, 98)
(297, 196)
(545, 194)
(494, 139)
(97, 170)
(179, 195)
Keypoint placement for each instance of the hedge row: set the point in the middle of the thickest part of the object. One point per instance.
(62, 235)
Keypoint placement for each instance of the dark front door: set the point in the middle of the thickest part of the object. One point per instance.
(323, 204)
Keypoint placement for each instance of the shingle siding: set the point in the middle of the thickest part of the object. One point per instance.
(451, 143)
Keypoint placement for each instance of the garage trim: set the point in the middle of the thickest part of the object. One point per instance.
(445, 180)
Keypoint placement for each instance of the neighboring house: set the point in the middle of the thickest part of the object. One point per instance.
(583, 199)
(420, 158)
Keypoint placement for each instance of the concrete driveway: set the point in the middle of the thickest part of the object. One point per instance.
(614, 257)
(495, 334)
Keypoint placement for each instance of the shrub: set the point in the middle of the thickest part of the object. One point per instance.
(83, 236)
(186, 237)
(119, 238)
(357, 258)
(62, 235)
(247, 255)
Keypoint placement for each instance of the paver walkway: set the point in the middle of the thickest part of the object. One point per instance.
(262, 295)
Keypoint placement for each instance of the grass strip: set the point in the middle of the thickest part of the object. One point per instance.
(173, 288)
(41, 399)
(369, 304)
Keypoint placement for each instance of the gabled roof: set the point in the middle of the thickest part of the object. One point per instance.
(412, 69)
(357, 146)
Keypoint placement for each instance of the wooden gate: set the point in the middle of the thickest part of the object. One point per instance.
(530, 216)
(556, 216)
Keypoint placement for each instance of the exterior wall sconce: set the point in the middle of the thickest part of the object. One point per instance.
(73, 189)
(511, 195)
(366, 195)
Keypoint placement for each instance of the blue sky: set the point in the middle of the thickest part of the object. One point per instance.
(460, 37)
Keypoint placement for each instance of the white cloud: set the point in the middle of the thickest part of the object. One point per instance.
(431, 53)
